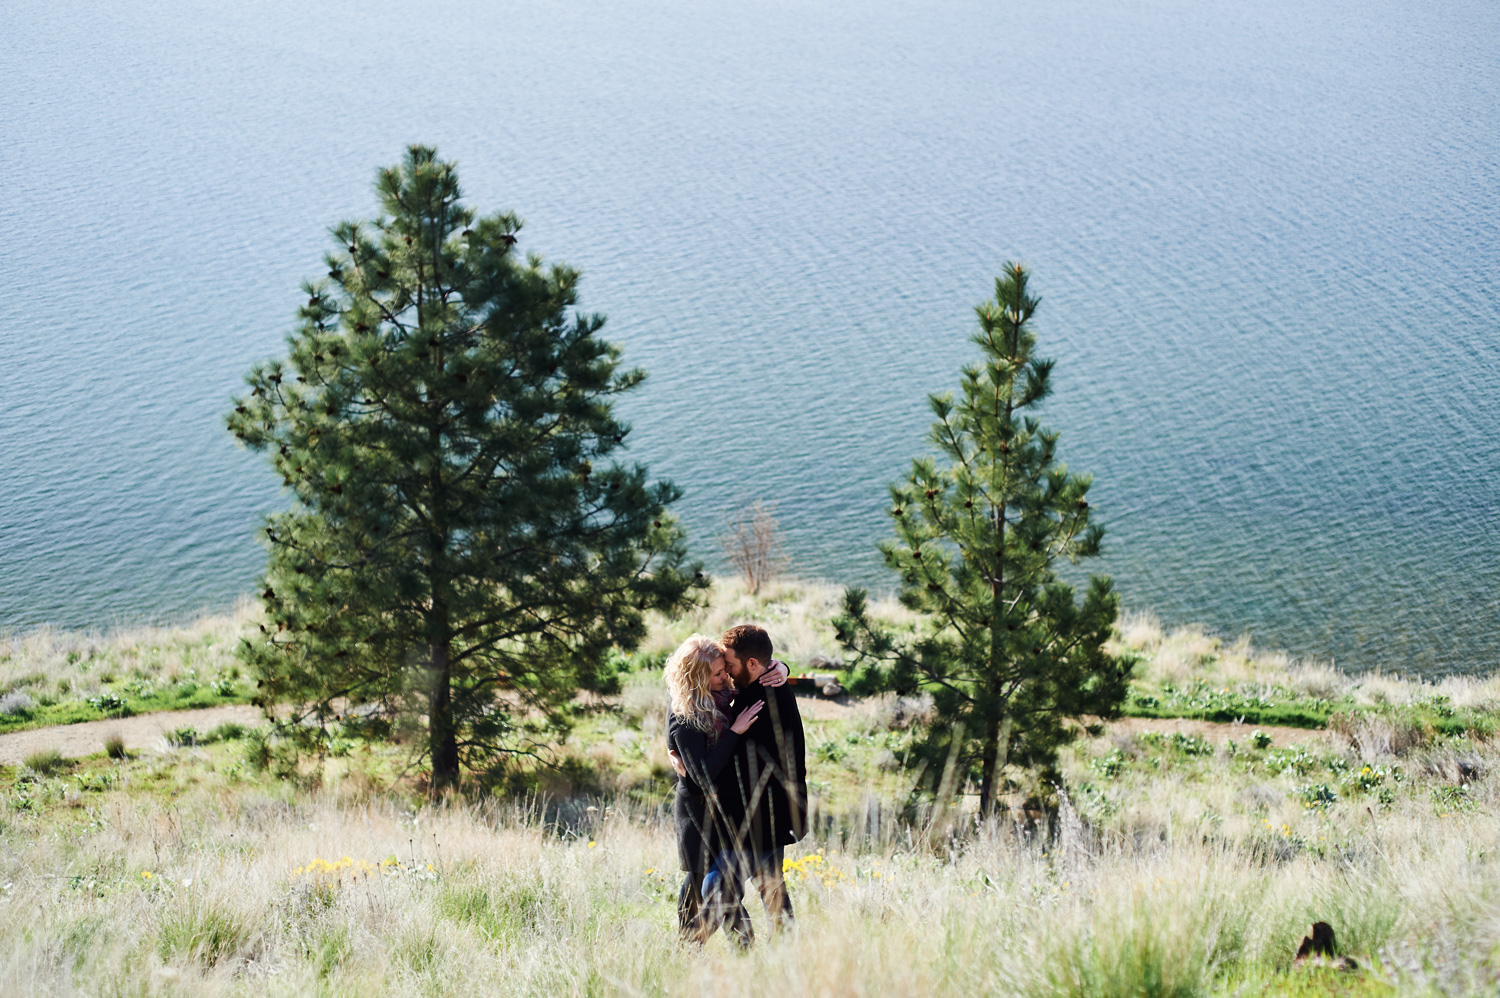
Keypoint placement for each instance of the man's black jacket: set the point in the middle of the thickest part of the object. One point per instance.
(763, 788)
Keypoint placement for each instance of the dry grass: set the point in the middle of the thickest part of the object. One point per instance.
(49, 664)
(797, 614)
(1192, 886)
(1189, 872)
(1190, 653)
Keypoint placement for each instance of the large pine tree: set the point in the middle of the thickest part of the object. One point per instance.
(1013, 660)
(461, 542)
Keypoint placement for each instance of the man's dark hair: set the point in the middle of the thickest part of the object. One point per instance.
(748, 641)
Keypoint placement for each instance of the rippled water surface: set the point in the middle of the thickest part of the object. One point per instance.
(1267, 236)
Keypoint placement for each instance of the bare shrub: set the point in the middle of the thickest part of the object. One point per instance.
(1379, 736)
(889, 712)
(1261, 796)
(1318, 680)
(16, 703)
(752, 542)
(1452, 766)
(1140, 631)
(909, 711)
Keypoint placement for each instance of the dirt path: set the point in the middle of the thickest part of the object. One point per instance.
(144, 731)
(843, 709)
(1219, 733)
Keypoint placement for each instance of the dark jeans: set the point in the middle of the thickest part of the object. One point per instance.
(723, 893)
(690, 908)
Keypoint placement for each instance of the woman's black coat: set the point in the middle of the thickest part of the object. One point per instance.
(694, 810)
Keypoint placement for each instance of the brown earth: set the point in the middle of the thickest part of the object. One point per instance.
(847, 708)
(144, 731)
(1219, 733)
(147, 731)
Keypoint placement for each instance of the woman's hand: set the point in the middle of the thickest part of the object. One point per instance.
(678, 766)
(776, 675)
(747, 717)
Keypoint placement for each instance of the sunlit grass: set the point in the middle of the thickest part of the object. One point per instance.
(1190, 871)
(50, 677)
(1183, 864)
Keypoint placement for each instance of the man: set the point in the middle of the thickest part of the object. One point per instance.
(762, 791)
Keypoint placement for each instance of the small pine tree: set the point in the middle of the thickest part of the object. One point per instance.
(1009, 655)
(461, 544)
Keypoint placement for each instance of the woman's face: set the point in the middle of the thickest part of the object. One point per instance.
(718, 677)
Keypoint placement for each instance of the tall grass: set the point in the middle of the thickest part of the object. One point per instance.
(257, 892)
(49, 664)
(1189, 653)
(46, 665)
(1194, 869)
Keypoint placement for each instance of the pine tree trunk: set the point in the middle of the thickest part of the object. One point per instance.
(996, 754)
(988, 758)
(442, 740)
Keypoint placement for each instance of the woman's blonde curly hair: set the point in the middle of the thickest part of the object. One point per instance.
(688, 672)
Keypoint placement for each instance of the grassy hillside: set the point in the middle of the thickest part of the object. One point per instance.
(1179, 866)
(52, 677)
(1182, 858)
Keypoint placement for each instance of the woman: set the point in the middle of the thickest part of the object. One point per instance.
(702, 740)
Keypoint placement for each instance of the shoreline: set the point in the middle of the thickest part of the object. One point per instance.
(54, 676)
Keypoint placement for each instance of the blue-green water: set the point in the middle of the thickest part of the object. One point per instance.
(1267, 236)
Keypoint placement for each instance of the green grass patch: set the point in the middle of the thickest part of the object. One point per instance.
(45, 762)
(1314, 982)
(200, 933)
(1202, 701)
(1288, 716)
(116, 704)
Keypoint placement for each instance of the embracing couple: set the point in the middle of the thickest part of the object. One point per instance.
(735, 738)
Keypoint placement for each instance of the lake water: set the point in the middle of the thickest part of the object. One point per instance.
(1267, 236)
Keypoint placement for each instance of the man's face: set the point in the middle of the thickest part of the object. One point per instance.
(740, 670)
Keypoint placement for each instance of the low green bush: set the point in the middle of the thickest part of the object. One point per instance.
(111, 704)
(1316, 795)
(500, 913)
(258, 750)
(1109, 766)
(229, 731)
(1177, 741)
(1452, 799)
(185, 736)
(202, 933)
(45, 762)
